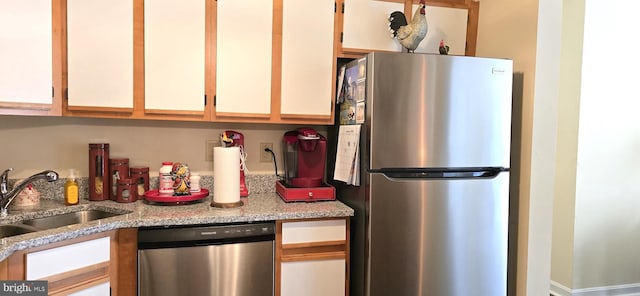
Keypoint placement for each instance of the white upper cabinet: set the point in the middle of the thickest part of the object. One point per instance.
(174, 55)
(26, 73)
(100, 53)
(366, 25)
(447, 24)
(243, 56)
(307, 57)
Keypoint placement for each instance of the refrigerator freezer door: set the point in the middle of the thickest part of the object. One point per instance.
(438, 111)
(438, 237)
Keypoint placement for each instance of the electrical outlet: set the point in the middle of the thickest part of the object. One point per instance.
(265, 156)
(208, 149)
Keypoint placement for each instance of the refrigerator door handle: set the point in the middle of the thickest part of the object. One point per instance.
(479, 173)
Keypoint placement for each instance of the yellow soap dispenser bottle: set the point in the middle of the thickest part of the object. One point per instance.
(71, 192)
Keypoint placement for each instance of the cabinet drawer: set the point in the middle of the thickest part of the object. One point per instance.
(95, 290)
(313, 231)
(50, 262)
(314, 278)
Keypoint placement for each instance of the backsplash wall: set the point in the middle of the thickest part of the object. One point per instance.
(30, 143)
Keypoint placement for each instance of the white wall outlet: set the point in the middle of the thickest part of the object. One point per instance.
(265, 156)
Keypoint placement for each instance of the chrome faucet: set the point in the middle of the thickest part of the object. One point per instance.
(7, 196)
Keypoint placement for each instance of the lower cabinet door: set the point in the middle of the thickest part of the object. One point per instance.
(313, 278)
(103, 289)
(82, 256)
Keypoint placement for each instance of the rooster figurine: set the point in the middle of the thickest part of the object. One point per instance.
(443, 48)
(409, 34)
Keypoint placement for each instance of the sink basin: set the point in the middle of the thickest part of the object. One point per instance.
(7, 230)
(79, 217)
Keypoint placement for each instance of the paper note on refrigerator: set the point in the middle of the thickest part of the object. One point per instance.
(347, 168)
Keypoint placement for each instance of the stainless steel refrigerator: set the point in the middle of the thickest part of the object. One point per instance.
(432, 205)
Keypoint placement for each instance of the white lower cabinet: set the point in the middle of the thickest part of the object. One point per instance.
(97, 290)
(312, 257)
(50, 262)
(313, 278)
(81, 267)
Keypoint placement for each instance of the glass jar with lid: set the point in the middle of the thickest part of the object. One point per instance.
(118, 169)
(127, 190)
(141, 175)
(99, 171)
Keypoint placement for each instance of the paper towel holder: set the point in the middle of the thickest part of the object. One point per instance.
(231, 138)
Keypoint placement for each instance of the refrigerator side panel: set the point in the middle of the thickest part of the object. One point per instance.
(438, 237)
(356, 197)
(438, 111)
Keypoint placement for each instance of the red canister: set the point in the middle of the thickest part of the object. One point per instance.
(127, 190)
(141, 175)
(99, 171)
(118, 170)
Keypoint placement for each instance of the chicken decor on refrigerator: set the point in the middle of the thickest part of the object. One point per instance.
(429, 176)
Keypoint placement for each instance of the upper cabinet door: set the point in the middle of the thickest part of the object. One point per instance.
(366, 25)
(26, 73)
(447, 24)
(307, 57)
(100, 53)
(174, 55)
(243, 56)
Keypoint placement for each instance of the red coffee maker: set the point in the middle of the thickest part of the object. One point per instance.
(232, 139)
(304, 155)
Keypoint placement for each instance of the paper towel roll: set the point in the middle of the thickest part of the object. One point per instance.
(226, 174)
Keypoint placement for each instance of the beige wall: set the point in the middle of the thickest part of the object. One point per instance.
(508, 29)
(607, 209)
(579, 164)
(544, 142)
(568, 114)
(31, 144)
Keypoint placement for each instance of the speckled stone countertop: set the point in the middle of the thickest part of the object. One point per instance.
(257, 207)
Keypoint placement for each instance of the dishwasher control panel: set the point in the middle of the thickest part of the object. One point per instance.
(232, 231)
(196, 233)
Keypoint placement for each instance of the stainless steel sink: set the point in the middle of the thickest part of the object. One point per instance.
(7, 230)
(78, 217)
(55, 221)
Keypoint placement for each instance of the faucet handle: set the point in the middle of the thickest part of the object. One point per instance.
(6, 172)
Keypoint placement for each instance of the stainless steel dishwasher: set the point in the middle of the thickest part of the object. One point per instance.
(218, 260)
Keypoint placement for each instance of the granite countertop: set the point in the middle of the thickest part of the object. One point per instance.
(257, 207)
